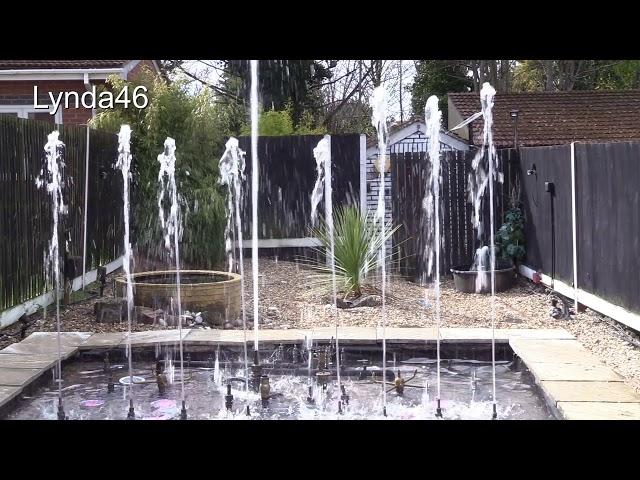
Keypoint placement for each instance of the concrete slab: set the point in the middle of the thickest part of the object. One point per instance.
(553, 351)
(572, 372)
(18, 377)
(561, 391)
(155, 337)
(599, 411)
(536, 333)
(408, 334)
(13, 360)
(103, 340)
(468, 335)
(46, 343)
(346, 334)
(8, 393)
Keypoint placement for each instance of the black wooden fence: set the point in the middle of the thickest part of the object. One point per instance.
(607, 178)
(287, 177)
(25, 210)
(409, 173)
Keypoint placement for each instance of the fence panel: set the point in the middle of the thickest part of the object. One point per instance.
(608, 221)
(287, 177)
(409, 173)
(25, 210)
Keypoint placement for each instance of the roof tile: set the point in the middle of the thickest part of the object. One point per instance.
(552, 118)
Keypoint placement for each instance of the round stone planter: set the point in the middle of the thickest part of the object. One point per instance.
(465, 279)
(215, 294)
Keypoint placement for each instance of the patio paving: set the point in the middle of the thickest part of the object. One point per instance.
(47, 343)
(599, 411)
(565, 391)
(103, 340)
(13, 360)
(8, 393)
(19, 377)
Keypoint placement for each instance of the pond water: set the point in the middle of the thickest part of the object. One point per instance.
(465, 392)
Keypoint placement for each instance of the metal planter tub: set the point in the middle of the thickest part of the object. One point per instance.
(465, 280)
(215, 294)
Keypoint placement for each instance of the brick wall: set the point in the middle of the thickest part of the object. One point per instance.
(21, 92)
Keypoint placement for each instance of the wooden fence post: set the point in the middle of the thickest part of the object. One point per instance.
(86, 203)
(574, 225)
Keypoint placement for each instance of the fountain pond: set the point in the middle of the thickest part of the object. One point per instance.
(465, 373)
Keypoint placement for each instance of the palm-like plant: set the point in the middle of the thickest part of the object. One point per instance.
(357, 244)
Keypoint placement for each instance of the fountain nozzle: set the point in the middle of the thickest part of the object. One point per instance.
(183, 412)
(228, 398)
(438, 410)
(110, 386)
(399, 384)
(265, 390)
(310, 399)
(340, 407)
(494, 416)
(344, 397)
(61, 414)
(132, 414)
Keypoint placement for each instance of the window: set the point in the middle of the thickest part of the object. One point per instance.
(27, 111)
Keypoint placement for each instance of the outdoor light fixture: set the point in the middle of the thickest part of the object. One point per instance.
(514, 115)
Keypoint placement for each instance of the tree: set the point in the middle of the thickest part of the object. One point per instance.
(566, 75)
(438, 77)
(196, 124)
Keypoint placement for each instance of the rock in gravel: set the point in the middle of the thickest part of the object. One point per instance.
(110, 310)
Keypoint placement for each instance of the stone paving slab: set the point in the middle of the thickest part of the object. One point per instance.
(347, 334)
(103, 340)
(46, 343)
(408, 334)
(155, 337)
(572, 372)
(8, 393)
(599, 411)
(13, 360)
(536, 333)
(562, 391)
(553, 351)
(18, 377)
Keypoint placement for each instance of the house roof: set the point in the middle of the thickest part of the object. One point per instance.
(60, 64)
(552, 118)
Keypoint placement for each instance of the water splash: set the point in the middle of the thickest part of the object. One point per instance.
(482, 264)
(51, 178)
(322, 154)
(254, 198)
(124, 164)
(433, 118)
(232, 165)
(484, 173)
(319, 153)
(171, 227)
(379, 121)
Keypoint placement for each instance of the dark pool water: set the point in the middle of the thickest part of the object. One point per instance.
(86, 397)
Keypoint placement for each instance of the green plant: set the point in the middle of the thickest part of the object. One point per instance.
(356, 246)
(280, 122)
(197, 123)
(510, 238)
